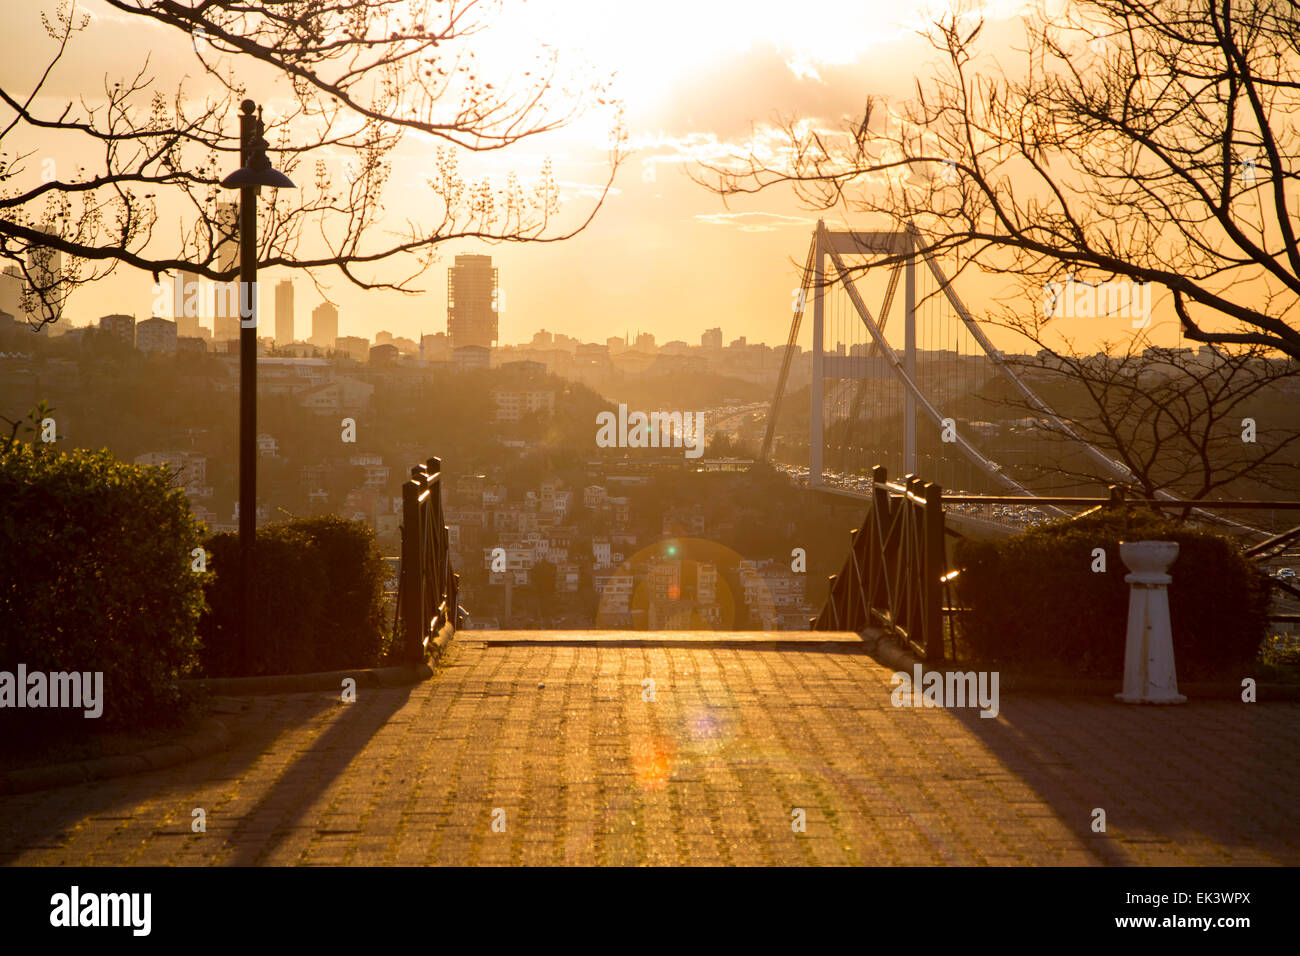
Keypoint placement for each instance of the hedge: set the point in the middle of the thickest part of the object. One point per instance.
(1035, 602)
(96, 575)
(317, 600)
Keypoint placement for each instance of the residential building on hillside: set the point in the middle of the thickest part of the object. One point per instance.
(191, 470)
(376, 471)
(156, 335)
(353, 346)
(121, 326)
(341, 395)
(467, 357)
(512, 405)
(615, 605)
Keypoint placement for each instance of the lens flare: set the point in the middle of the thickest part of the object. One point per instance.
(708, 728)
(652, 762)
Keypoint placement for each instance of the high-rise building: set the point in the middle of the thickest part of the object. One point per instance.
(11, 293)
(284, 312)
(187, 303)
(45, 281)
(325, 326)
(711, 340)
(225, 312)
(472, 302)
(21, 295)
(227, 227)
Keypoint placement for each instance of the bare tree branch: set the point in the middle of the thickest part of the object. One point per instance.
(358, 76)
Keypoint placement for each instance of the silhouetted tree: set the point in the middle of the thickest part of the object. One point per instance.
(1179, 422)
(354, 77)
(1149, 141)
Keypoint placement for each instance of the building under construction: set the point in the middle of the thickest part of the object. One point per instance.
(472, 302)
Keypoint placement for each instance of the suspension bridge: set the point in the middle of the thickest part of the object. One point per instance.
(876, 402)
(918, 399)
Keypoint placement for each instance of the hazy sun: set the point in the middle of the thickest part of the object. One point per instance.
(652, 47)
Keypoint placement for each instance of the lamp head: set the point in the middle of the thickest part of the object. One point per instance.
(259, 171)
(258, 175)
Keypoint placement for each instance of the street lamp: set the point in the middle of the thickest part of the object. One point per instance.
(255, 171)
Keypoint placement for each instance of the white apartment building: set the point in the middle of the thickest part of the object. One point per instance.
(155, 335)
(343, 395)
(267, 446)
(514, 404)
(706, 583)
(615, 592)
(567, 578)
(191, 469)
(376, 471)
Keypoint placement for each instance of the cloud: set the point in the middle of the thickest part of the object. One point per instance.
(802, 68)
(731, 95)
(752, 221)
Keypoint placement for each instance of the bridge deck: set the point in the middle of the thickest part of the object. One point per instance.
(555, 729)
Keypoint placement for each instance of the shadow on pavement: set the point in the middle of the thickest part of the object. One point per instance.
(43, 818)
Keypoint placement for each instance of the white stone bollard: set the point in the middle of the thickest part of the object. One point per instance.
(1149, 676)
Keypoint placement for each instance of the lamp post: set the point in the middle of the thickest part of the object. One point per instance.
(255, 171)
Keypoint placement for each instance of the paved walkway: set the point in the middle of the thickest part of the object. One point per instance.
(558, 746)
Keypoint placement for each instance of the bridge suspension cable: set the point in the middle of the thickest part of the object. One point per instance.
(866, 391)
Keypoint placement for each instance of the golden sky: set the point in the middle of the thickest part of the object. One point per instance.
(663, 255)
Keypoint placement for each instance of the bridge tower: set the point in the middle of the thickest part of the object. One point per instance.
(896, 245)
(899, 247)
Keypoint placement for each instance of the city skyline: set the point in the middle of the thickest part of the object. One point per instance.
(663, 253)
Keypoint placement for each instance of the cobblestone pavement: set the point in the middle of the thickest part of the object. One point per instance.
(536, 748)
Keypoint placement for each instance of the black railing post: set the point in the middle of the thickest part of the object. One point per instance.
(455, 599)
(411, 586)
(932, 593)
(913, 558)
(854, 584)
(880, 519)
(831, 601)
(429, 591)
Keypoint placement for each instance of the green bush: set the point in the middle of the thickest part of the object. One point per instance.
(288, 581)
(96, 575)
(317, 600)
(1036, 603)
(353, 600)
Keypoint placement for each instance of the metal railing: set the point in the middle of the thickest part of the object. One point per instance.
(895, 575)
(427, 587)
(1118, 497)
